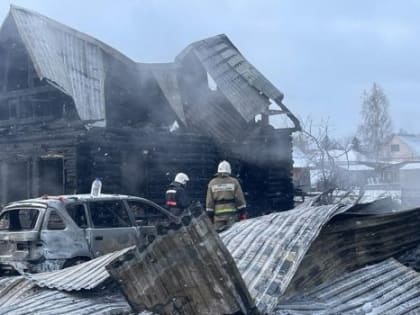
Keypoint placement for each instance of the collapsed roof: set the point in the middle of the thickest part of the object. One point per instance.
(78, 65)
(301, 261)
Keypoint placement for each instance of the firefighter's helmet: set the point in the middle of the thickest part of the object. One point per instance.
(181, 178)
(224, 167)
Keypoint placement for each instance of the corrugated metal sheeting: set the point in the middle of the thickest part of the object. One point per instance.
(277, 255)
(385, 288)
(239, 81)
(20, 296)
(166, 75)
(236, 78)
(77, 64)
(269, 249)
(186, 269)
(68, 59)
(84, 276)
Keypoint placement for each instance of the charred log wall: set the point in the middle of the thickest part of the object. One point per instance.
(37, 160)
(264, 167)
(139, 163)
(145, 162)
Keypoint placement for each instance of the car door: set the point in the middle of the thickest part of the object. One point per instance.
(147, 216)
(111, 228)
(61, 238)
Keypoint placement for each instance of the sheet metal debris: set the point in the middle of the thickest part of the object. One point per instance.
(21, 296)
(384, 288)
(185, 270)
(88, 275)
(276, 255)
(14, 289)
(268, 250)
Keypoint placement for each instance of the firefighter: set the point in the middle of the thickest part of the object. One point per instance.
(225, 201)
(176, 196)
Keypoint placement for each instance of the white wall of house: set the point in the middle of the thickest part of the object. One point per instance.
(397, 149)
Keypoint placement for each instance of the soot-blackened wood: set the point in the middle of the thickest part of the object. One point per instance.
(185, 270)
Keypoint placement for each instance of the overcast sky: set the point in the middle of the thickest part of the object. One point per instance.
(320, 54)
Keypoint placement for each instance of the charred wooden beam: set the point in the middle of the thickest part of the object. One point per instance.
(26, 92)
(185, 270)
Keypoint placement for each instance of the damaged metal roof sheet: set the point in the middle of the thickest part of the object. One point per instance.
(55, 302)
(21, 296)
(166, 75)
(185, 269)
(384, 288)
(239, 81)
(70, 60)
(84, 276)
(13, 289)
(269, 249)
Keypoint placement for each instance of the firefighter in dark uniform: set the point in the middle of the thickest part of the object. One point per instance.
(225, 201)
(176, 196)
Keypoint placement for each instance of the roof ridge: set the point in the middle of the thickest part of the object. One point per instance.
(72, 31)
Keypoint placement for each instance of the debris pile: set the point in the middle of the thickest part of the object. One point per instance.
(384, 288)
(325, 259)
(185, 270)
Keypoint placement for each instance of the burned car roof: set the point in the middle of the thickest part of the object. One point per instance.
(46, 200)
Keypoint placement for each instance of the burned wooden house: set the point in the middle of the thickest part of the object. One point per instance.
(73, 108)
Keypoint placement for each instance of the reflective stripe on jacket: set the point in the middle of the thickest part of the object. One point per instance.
(176, 196)
(224, 195)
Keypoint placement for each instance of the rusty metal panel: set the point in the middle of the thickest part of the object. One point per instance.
(269, 249)
(84, 276)
(185, 270)
(385, 288)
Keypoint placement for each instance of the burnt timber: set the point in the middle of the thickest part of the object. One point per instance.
(72, 109)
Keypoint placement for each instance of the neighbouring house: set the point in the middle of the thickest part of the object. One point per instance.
(344, 168)
(73, 108)
(402, 148)
(354, 168)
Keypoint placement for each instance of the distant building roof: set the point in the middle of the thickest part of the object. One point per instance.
(357, 167)
(350, 156)
(413, 142)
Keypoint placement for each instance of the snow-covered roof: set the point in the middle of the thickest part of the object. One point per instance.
(357, 167)
(411, 166)
(342, 156)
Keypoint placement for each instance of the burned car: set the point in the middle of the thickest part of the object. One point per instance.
(51, 233)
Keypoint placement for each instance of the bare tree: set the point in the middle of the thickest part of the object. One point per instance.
(316, 143)
(376, 127)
